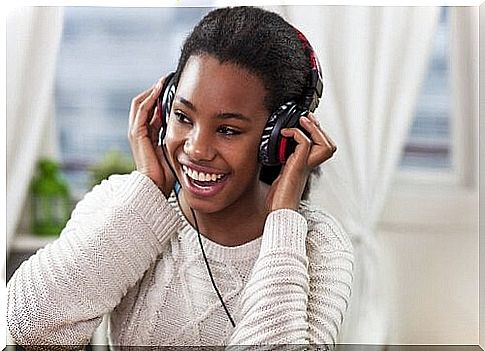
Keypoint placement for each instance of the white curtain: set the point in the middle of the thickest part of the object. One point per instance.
(33, 37)
(464, 33)
(374, 60)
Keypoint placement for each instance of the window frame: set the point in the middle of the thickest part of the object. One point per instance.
(428, 199)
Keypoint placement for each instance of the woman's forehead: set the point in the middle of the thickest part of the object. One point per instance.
(207, 83)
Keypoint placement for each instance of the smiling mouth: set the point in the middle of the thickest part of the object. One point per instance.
(202, 179)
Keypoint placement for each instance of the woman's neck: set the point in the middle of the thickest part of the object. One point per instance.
(236, 224)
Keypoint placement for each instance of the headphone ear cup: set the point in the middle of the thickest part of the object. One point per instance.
(265, 157)
(164, 104)
(287, 146)
(274, 149)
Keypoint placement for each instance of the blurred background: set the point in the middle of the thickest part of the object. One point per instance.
(400, 100)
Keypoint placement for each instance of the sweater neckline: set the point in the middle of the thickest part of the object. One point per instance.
(213, 250)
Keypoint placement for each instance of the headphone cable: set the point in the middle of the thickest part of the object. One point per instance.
(210, 273)
(200, 240)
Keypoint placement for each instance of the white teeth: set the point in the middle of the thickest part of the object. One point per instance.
(203, 177)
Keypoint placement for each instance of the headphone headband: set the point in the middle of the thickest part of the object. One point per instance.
(313, 91)
(274, 149)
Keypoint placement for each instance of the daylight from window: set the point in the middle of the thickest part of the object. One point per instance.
(429, 141)
(109, 55)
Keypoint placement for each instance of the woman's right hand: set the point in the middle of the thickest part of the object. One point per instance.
(143, 130)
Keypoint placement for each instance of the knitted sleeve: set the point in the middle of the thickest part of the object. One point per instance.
(59, 295)
(330, 269)
(274, 301)
(300, 285)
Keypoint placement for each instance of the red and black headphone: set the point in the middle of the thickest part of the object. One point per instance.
(274, 149)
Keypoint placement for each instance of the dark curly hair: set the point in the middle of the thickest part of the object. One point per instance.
(264, 44)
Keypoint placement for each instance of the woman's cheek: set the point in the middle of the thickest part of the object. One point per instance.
(172, 140)
(249, 156)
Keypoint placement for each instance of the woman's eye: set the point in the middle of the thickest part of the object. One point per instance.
(180, 117)
(228, 131)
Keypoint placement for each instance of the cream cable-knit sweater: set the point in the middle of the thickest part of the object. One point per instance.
(129, 252)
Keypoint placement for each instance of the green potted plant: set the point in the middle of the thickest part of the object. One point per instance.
(113, 162)
(51, 199)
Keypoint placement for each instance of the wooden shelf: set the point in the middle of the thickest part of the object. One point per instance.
(30, 242)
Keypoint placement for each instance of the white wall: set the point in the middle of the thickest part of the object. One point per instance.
(430, 242)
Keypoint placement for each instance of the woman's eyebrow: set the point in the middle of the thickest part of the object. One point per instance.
(228, 115)
(187, 103)
(221, 115)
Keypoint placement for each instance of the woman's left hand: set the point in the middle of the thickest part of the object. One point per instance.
(287, 189)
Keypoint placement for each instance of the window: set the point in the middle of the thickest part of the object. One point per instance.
(429, 145)
(436, 186)
(108, 56)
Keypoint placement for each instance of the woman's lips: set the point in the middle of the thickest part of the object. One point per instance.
(205, 184)
(202, 176)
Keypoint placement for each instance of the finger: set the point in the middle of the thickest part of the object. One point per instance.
(323, 146)
(155, 118)
(135, 103)
(329, 140)
(319, 156)
(147, 106)
(155, 125)
(313, 118)
(303, 142)
(317, 135)
(321, 133)
(323, 152)
(137, 100)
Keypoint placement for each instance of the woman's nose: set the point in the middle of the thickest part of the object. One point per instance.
(199, 147)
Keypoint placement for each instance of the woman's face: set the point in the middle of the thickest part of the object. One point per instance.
(213, 134)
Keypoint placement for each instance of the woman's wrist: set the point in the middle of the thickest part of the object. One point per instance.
(286, 200)
(285, 206)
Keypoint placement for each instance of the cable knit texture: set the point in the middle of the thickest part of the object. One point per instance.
(129, 253)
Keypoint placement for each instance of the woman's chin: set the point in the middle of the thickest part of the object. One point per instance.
(214, 197)
(202, 205)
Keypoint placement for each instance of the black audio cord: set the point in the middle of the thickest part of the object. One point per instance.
(210, 273)
(200, 240)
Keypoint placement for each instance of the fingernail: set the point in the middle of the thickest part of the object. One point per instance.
(305, 119)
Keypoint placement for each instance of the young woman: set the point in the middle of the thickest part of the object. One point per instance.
(278, 270)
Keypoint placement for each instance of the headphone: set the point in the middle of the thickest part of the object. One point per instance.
(274, 149)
